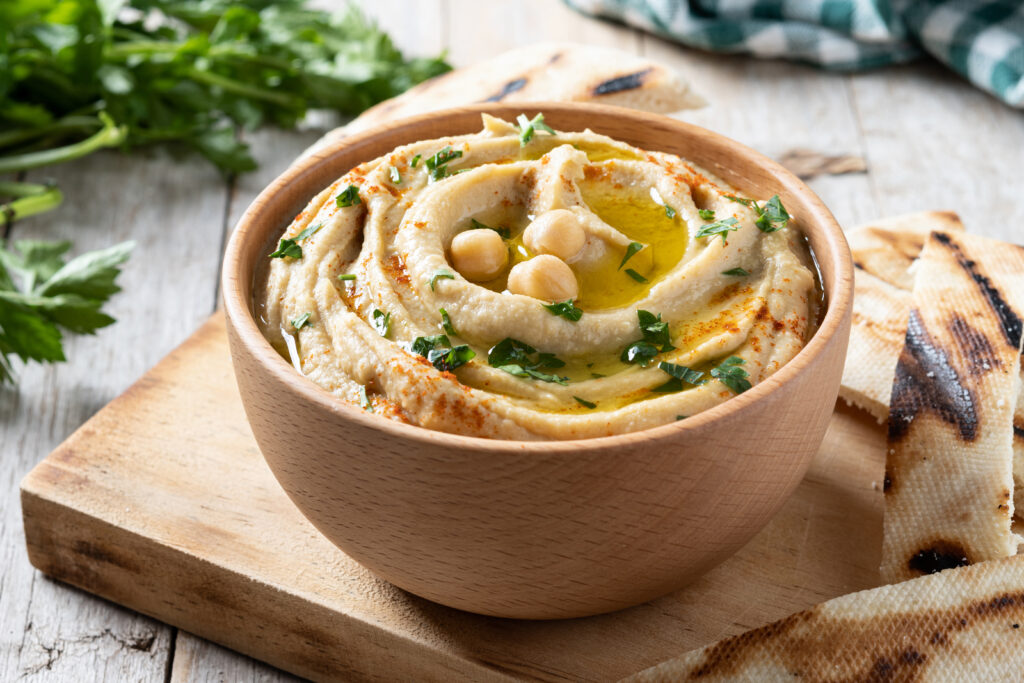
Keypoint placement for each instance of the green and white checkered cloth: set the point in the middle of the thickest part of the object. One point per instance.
(983, 41)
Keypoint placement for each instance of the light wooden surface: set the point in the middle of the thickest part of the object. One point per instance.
(190, 526)
(929, 141)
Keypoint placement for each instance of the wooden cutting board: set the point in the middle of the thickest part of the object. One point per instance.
(162, 502)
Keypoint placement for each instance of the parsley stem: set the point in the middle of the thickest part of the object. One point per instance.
(238, 88)
(18, 136)
(31, 198)
(109, 136)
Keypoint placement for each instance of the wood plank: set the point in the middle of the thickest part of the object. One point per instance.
(118, 509)
(173, 209)
(776, 108)
(935, 142)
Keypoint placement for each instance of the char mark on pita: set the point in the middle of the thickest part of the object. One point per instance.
(507, 89)
(927, 381)
(938, 556)
(621, 83)
(1011, 322)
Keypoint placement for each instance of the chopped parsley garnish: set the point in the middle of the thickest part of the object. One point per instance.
(680, 417)
(396, 177)
(364, 400)
(736, 272)
(585, 403)
(348, 196)
(344, 277)
(477, 225)
(656, 339)
(287, 247)
(635, 275)
(565, 309)
(439, 351)
(631, 251)
(301, 321)
(680, 374)
(381, 322)
(722, 227)
(706, 214)
(527, 128)
(415, 160)
(446, 323)
(440, 275)
(669, 211)
(308, 232)
(770, 217)
(516, 358)
(438, 164)
(773, 215)
(731, 375)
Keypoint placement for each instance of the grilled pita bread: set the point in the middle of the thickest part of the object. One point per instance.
(883, 252)
(561, 72)
(965, 624)
(949, 468)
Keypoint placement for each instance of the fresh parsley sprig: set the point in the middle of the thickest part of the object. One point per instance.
(631, 251)
(42, 293)
(438, 350)
(437, 165)
(771, 217)
(517, 358)
(565, 309)
(656, 339)
(732, 375)
(528, 127)
(679, 374)
(722, 227)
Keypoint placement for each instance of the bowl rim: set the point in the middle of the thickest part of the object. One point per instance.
(839, 294)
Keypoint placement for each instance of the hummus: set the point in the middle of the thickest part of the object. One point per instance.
(681, 293)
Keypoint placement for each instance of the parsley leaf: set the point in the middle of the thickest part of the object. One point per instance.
(585, 403)
(301, 321)
(345, 277)
(773, 216)
(528, 127)
(731, 375)
(635, 275)
(287, 247)
(308, 232)
(680, 374)
(669, 211)
(438, 164)
(348, 196)
(437, 349)
(706, 214)
(477, 225)
(736, 272)
(440, 275)
(52, 293)
(631, 251)
(415, 160)
(566, 309)
(656, 339)
(382, 322)
(722, 227)
(446, 323)
(514, 357)
(396, 177)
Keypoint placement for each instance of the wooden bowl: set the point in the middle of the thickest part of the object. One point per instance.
(539, 529)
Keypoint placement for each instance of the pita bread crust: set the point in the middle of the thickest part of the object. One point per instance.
(559, 72)
(883, 252)
(963, 624)
(949, 469)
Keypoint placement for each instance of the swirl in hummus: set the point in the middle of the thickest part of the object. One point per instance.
(523, 283)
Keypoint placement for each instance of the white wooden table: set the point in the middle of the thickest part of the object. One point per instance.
(929, 141)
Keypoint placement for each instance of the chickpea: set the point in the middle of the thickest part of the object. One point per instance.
(557, 232)
(544, 277)
(479, 255)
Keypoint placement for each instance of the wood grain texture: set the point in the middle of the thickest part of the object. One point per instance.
(119, 510)
(929, 139)
(539, 529)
